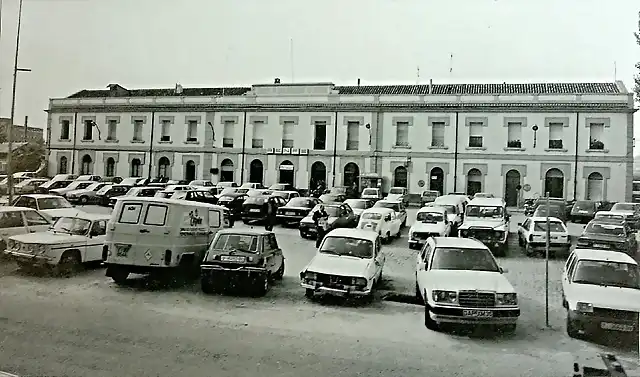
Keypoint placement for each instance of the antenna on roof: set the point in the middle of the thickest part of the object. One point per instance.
(450, 65)
(418, 75)
(293, 77)
(615, 71)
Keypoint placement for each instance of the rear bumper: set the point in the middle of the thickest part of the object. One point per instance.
(209, 270)
(455, 315)
(348, 291)
(552, 247)
(590, 323)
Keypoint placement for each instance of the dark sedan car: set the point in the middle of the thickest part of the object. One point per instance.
(609, 235)
(296, 209)
(255, 209)
(340, 216)
(332, 198)
(234, 202)
(112, 191)
(200, 196)
(555, 210)
(584, 211)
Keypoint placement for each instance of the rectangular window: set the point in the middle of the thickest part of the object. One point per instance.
(596, 132)
(227, 138)
(64, 130)
(137, 130)
(88, 130)
(475, 134)
(130, 213)
(214, 219)
(555, 135)
(258, 134)
(288, 128)
(437, 134)
(353, 135)
(514, 135)
(111, 129)
(156, 215)
(320, 137)
(192, 131)
(402, 134)
(34, 218)
(165, 132)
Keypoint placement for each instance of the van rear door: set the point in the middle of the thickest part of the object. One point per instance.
(216, 221)
(125, 232)
(153, 235)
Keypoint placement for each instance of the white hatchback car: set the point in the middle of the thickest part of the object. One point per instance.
(460, 282)
(382, 221)
(532, 236)
(430, 221)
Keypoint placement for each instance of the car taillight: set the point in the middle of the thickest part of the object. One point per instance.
(167, 257)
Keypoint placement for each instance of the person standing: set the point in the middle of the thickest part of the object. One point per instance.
(270, 219)
(321, 220)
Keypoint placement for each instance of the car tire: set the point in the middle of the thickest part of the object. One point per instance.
(508, 329)
(245, 221)
(118, 275)
(528, 250)
(207, 286)
(428, 322)
(501, 251)
(280, 273)
(304, 235)
(70, 263)
(309, 293)
(262, 285)
(572, 330)
(84, 200)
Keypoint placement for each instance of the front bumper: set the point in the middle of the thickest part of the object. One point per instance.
(208, 270)
(455, 315)
(345, 291)
(552, 247)
(591, 323)
(33, 259)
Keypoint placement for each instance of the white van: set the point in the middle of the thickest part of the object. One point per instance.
(159, 236)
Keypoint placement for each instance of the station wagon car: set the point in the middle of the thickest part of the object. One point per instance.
(252, 256)
(608, 235)
(532, 236)
(349, 262)
(382, 221)
(460, 282)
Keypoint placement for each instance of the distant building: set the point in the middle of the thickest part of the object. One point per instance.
(20, 133)
(4, 148)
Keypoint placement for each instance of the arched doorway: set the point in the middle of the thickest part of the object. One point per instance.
(190, 171)
(110, 167)
(400, 177)
(286, 172)
(595, 189)
(474, 181)
(318, 175)
(351, 175)
(511, 192)
(226, 171)
(436, 180)
(87, 165)
(63, 166)
(136, 168)
(163, 167)
(256, 171)
(554, 183)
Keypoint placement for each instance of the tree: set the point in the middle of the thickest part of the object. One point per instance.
(637, 76)
(28, 157)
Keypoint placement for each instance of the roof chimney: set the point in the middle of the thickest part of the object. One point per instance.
(358, 82)
(178, 89)
(276, 81)
(430, 86)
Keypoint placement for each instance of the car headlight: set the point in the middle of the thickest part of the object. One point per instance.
(310, 276)
(359, 282)
(507, 299)
(499, 233)
(584, 307)
(450, 297)
(11, 244)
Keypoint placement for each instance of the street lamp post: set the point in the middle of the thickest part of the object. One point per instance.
(13, 107)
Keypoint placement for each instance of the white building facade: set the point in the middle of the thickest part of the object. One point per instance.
(513, 140)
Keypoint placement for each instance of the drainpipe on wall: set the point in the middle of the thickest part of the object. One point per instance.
(244, 141)
(455, 157)
(575, 160)
(75, 138)
(335, 148)
(153, 128)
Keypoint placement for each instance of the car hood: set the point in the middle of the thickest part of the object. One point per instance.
(61, 212)
(601, 237)
(427, 227)
(487, 222)
(626, 213)
(79, 192)
(338, 265)
(451, 280)
(48, 238)
(309, 219)
(605, 297)
(394, 197)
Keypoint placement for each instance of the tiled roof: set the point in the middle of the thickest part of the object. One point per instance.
(436, 89)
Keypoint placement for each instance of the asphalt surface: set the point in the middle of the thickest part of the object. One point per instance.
(85, 325)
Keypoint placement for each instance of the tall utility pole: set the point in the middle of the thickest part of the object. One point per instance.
(13, 107)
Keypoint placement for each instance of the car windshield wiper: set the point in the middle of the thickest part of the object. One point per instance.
(329, 252)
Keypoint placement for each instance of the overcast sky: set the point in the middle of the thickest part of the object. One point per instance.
(87, 44)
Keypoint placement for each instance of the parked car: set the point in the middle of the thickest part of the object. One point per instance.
(332, 198)
(252, 185)
(233, 202)
(296, 209)
(397, 206)
(231, 190)
(20, 220)
(608, 215)
(532, 236)
(600, 292)
(430, 222)
(75, 185)
(29, 186)
(51, 206)
(456, 206)
(259, 192)
(428, 196)
(286, 195)
(487, 220)
(199, 183)
(136, 192)
(4, 184)
(340, 216)
(255, 208)
(45, 187)
(608, 235)
(282, 187)
(556, 210)
(631, 211)
(483, 195)
(89, 177)
(398, 194)
(372, 193)
(382, 221)
(110, 191)
(54, 186)
(86, 195)
(349, 262)
(199, 195)
(69, 243)
(359, 205)
(584, 211)
(243, 257)
(460, 282)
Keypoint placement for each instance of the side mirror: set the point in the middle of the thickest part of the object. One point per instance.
(519, 224)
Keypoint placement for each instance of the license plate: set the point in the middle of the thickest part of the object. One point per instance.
(230, 258)
(582, 211)
(616, 327)
(290, 213)
(477, 313)
(601, 245)
(122, 251)
(254, 210)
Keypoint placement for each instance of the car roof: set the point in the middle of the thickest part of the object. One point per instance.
(608, 222)
(610, 213)
(285, 191)
(544, 218)
(464, 243)
(450, 199)
(170, 201)
(246, 231)
(354, 233)
(487, 202)
(432, 209)
(378, 210)
(41, 196)
(12, 208)
(603, 255)
(392, 201)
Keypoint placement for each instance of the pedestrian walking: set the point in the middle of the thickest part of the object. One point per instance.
(321, 220)
(270, 218)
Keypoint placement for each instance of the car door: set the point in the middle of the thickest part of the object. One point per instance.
(350, 216)
(423, 267)
(36, 222)
(269, 255)
(97, 236)
(11, 223)
(395, 223)
(567, 272)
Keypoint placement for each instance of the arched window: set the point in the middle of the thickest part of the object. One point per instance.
(63, 166)
(110, 167)
(87, 165)
(136, 168)
(163, 167)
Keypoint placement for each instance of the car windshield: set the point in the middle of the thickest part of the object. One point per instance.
(228, 190)
(484, 211)
(605, 229)
(347, 246)
(623, 207)
(612, 216)
(94, 186)
(393, 206)
(332, 211)
(370, 191)
(430, 217)
(72, 225)
(53, 203)
(301, 202)
(357, 204)
(554, 226)
(450, 258)
(226, 198)
(605, 273)
(554, 211)
(396, 191)
(450, 209)
(237, 242)
(281, 194)
(372, 216)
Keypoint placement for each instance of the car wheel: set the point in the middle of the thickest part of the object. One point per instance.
(70, 263)
(118, 275)
(309, 293)
(520, 241)
(280, 273)
(508, 329)
(501, 251)
(304, 234)
(528, 249)
(84, 200)
(387, 237)
(207, 286)
(428, 322)
(245, 221)
(572, 330)
(262, 285)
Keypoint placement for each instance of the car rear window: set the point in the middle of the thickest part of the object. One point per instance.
(605, 229)
(554, 226)
(255, 200)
